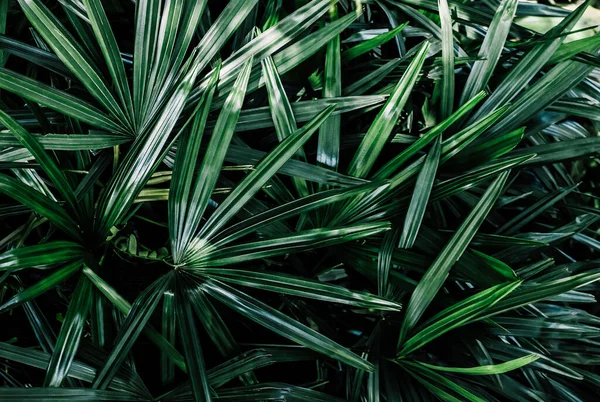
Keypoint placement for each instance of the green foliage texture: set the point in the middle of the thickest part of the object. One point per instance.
(298, 200)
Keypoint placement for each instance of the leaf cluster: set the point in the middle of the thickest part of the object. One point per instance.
(267, 200)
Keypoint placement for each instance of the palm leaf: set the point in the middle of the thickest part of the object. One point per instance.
(435, 276)
(281, 324)
(72, 55)
(70, 334)
(378, 133)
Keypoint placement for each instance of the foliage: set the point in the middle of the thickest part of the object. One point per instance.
(382, 200)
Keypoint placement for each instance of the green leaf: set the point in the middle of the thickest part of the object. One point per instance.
(529, 65)
(136, 319)
(147, 20)
(567, 51)
(72, 55)
(70, 334)
(279, 104)
(328, 146)
(242, 155)
(64, 394)
(3, 19)
(472, 177)
(40, 359)
(169, 320)
(97, 319)
(274, 39)
(540, 291)
(77, 16)
(432, 281)
(42, 286)
(492, 240)
(542, 328)
(372, 43)
(160, 84)
(495, 265)
(68, 142)
(301, 50)
(362, 85)
(110, 51)
(212, 321)
(39, 203)
(254, 359)
(384, 260)
(418, 203)
(213, 161)
(546, 154)
(423, 372)
(46, 338)
(447, 87)
(530, 213)
(396, 162)
(191, 346)
(490, 50)
(274, 392)
(491, 302)
(435, 390)
(288, 210)
(381, 128)
(271, 15)
(41, 57)
(554, 84)
(461, 140)
(86, 185)
(258, 177)
(158, 46)
(282, 114)
(303, 111)
(576, 107)
(486, 370)
(55, 99)
(122, 305)
(300, 241)
(281, 324)
(491, 148)
(232, 16)
(40, 256)
(47, 163)
(186, 29)
(140, 161)
(288, 284)
(184, 170)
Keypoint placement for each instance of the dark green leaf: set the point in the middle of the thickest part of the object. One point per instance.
(64, 394)
(490, 50)
(418, 203)
(328, 147)
(447, 87)
(42, 286)
(55, 99)
(372, 43)
(184, 170)
(191, 346)
(382, 126)
(71, 332)
(136, 319)
(39, 203)
(281, 324)
(287, 284)
(435, 276)
(47, 163)
(72, 55)
(259, 176)
(40, 256)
